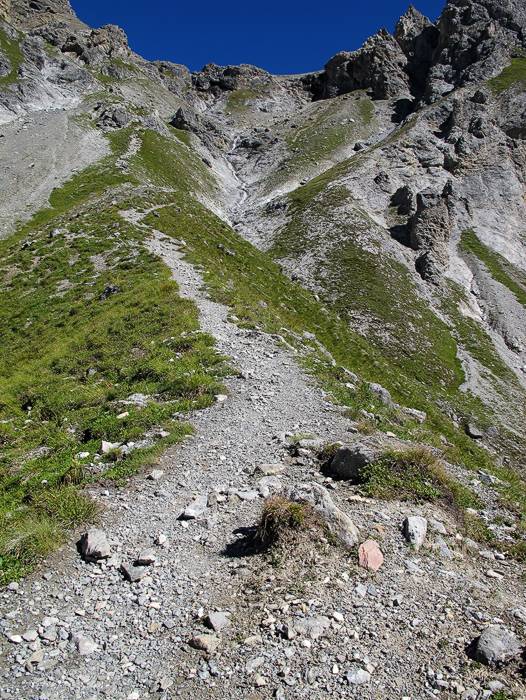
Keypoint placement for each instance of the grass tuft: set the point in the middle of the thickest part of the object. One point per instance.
(283, 522)
(414, 474)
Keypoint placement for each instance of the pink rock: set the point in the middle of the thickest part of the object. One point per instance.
(370, 555)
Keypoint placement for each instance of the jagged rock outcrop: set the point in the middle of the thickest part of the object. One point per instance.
(175, 78)
(379, 66)
(476, 40)
(418, 38)
(218, 79)
(430, 232)
(31, 15)
(100, 45)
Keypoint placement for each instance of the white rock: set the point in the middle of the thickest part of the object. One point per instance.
(108, 447)
(155, 475)
(358, 676)
(271, 469)
(94, 545)
(496, 646)
(205, 642)
(336, 520)
(30, 636)
(415, 530)
(85, 645)
(196, 508)
(147, 557)
(217, 621)
(437, 526)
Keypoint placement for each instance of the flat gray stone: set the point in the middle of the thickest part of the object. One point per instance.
(133, 573)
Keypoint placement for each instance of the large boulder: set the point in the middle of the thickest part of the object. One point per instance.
(186, 120)
(414, 529)
(112, 116)
(430, 231)
(496, 646)
(349, 460)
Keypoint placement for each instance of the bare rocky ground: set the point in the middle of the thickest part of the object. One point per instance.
(312, 624)
(39, 152)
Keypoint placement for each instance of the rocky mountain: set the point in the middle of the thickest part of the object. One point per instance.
(263, 345)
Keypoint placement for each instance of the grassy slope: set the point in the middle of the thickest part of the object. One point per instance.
(69, 355)
(500, 269)
(364, 283)
(512, 75)
(321, 133)
(410, 350)
(260, 296)
(11, 49)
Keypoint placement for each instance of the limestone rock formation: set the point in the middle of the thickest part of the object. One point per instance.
(379, 66)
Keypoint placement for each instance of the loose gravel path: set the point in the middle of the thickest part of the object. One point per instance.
(139, 627)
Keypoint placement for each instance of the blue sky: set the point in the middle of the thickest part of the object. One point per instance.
(282, 36)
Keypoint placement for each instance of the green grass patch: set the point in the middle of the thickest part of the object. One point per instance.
(329, 130)
(321, 133)
(366, 286)
(11, 49)
(500, 269)
(237, 100)
(88, 317)
(514, 74)
(474, 339)
(414, 474)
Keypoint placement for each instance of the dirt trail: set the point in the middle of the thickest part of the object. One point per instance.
(139, 628)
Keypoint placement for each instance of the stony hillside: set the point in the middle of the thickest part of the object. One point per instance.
(263, 366)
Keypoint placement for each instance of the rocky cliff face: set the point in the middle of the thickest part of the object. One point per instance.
(368, 219)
